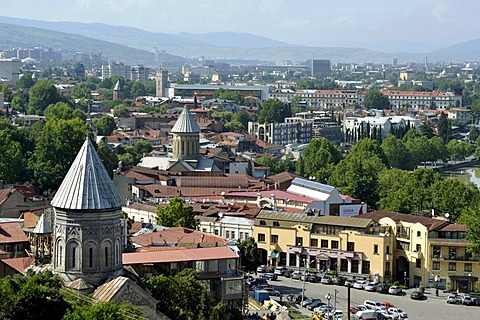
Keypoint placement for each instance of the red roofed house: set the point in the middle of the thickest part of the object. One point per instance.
(172, 250)
(13, 240)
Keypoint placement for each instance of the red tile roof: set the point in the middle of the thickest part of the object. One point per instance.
(430, 223)
(176, 235)
(454, 227)
(19, 264)
(11, 232)
(197, 254)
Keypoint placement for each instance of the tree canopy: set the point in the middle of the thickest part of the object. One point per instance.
(41, 95)
(319, 159)
(273, 111)
(176, 214)
(376, 100)
(249, 254)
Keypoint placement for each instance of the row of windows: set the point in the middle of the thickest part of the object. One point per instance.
(452, 266)
(230, 234)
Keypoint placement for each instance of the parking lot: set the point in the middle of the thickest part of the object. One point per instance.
(431, 308)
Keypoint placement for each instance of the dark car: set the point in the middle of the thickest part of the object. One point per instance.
(339, 281)
(269, 276)
(314, 278)
(315, 304)
(418, 295)
(288, 273)
(382, 288)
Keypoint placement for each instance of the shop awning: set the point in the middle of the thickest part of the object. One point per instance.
(274, 254)
(464, 278)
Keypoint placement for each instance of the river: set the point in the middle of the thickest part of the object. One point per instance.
(466, 174)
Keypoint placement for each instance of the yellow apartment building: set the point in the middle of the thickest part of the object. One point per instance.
(430, 252)
(352, 246)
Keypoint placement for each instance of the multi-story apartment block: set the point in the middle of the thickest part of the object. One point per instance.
(139, 73)
(429, 252)
(319, 67)
(461, 115)
(9, 70)
(398, 99)
(116, 69)
(353, 247)
(282, 133)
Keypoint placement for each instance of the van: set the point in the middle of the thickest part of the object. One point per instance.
(375, 305)
(366, 314)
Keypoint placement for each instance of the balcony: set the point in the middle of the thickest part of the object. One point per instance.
(417, 254)
(403, 236)
(459, 258)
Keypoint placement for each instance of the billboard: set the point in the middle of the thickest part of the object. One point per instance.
(348, 210)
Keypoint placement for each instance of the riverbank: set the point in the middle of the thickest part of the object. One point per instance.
(453, 165)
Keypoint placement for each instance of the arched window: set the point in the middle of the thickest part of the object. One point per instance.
(419, 234)
(72, 255)
(60, 255)
(106, 257)
(90, 257)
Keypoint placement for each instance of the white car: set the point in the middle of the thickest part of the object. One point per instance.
(395, 290)
(360, 284)
(272, 291)
(375, 305)
(371, 286)
(401, 314)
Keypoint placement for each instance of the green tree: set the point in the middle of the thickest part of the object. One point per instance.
(226, 94)
(249, 257)
(392, 193)
(176, 214)
(7, 93)
(105, 125)
(235, 126)
(453, 196)
(471, 218)
(273, 111)
(41, 95)
(376, 100)
(13, 160)
(397, 153)
(121, 111)
(56, 147)
(62, 110)
(243, 116)
(475, 109)
(426, 129)
(137, 89)
(319, 159)
(20, 101)
(443, 128)
(369, 148)
(34, 296)
(25, 81)
(103, 311)
(109, 159)
(181, 296)
(357, 176)
(459, 150)
(419, 149)
(473, 134)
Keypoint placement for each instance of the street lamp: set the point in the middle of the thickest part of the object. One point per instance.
(328, 296)
(469, 282)
(405, 278)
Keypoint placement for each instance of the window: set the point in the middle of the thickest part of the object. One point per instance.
(418, 248)
(350, 246)
(274, 239)
(204, 230)
(263, 223)
(452, 266)
(375, 249)
(418, 263)
(419, 234)
(387, 250)
(366, 267)
(106, 256)
(334, 244)
(241, 235)
(233, 234)
(387, 268)
(247, 235)
(74, 256)
(324, 244)
(468, 267)
(90, 257)
(436, 265)
(299, 241)
(261, 237)
(215, 232)
(227, 234)
(313, 242)
(276, 224)
(436, 252)
(60, 256)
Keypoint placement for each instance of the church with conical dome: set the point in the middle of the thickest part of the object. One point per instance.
(87, 232)
(186, 136)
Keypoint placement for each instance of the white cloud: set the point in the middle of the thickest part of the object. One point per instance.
(440, 12)
(343, 21)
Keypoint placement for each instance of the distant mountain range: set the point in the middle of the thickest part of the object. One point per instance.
(135, 46)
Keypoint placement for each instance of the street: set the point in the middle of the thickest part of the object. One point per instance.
(432, 308)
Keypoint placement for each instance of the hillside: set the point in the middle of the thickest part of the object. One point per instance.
(20, 36)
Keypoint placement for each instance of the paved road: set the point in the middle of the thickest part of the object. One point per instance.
(434, 308)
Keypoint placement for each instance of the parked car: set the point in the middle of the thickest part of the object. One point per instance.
(467, 300)
(272, 292)
(396, 290)
(333, 315)
(348, 282)
(258, 281)
(387, 304)
(370, 286)
(315, 304)
(401, 314)
(308, 301)
(366, 314)
(262, 268)
(364, 307)
(375, 305)
(296, 275)
(287, 273)
(314, 278)
(453, 299)
(280, 270)
(382, 288)
(418, 295)
(326, 280)
(360, 284)
(269, 276)
(324, 308)
(384, 315)
(339, 281)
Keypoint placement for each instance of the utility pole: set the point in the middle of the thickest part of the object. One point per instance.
(335, 301)
(348, 302)
(304, 278)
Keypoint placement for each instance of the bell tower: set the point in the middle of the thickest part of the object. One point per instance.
(186, 136)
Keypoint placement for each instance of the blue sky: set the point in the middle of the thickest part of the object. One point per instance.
(307, 22)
